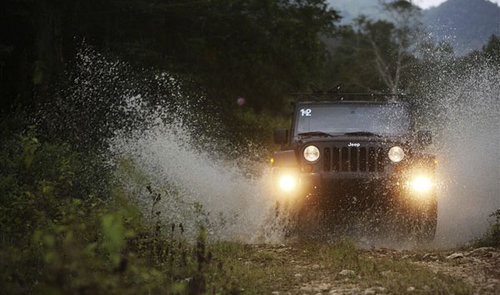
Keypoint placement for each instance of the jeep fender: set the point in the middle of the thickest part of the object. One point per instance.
(285, 159)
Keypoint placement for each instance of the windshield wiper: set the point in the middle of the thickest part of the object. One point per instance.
(362, 133)
(315, 133)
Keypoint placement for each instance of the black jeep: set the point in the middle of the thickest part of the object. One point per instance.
(347, 158)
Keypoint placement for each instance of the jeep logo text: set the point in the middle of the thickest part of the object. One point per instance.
(354, 144)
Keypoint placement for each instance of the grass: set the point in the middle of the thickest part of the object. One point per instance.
(262, 269)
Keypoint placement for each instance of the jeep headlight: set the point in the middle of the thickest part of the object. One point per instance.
(396, 154)
(287, 183)
(421, 184)
(311, 153)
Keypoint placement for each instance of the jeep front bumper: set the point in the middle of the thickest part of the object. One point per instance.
(416, 186)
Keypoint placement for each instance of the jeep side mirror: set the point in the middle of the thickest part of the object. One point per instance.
(280, 136)
(424, 137)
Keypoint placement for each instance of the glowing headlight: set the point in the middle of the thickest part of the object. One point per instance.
(311, 153)
(287, 183)
(396, 154)
(421, 184)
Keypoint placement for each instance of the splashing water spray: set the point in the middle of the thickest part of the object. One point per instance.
(467, 142)
(198, 190)
(165, 152)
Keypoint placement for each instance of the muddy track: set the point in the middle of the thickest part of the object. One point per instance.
(331, 270)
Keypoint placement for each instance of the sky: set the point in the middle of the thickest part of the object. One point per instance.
(428, 3)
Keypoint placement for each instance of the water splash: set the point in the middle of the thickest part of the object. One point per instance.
(165, 147)
(467, 129)
(197, 190)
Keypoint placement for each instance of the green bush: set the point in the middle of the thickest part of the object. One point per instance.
(492, 236)
(64, 232)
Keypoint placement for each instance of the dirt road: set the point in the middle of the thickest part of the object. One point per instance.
(343, 268)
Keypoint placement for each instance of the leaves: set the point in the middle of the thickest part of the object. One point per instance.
(113, 236)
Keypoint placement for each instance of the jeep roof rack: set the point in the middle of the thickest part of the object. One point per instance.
(339, 96)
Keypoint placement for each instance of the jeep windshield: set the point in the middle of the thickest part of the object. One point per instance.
(353, 119)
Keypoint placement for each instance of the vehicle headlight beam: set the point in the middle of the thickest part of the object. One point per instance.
(421, 184)
(287, 183)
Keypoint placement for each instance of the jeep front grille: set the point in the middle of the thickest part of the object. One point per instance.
(354, 159)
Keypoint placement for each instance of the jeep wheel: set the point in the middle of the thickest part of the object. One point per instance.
(310, 223)
(421, 223)
(413, 224)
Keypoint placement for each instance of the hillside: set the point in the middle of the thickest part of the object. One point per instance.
(349, 9)
(465, 24)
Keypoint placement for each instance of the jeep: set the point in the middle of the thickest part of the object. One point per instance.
(345, 159)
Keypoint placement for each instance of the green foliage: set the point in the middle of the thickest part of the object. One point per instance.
(492, 236)
(114, 236)
(254, 128)
(57, 239)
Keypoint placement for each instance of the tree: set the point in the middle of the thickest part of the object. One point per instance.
(492, 49)
(351, 63)
(392, 43)
(258, 49)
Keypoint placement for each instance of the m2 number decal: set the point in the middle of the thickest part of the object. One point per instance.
(305, 112)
